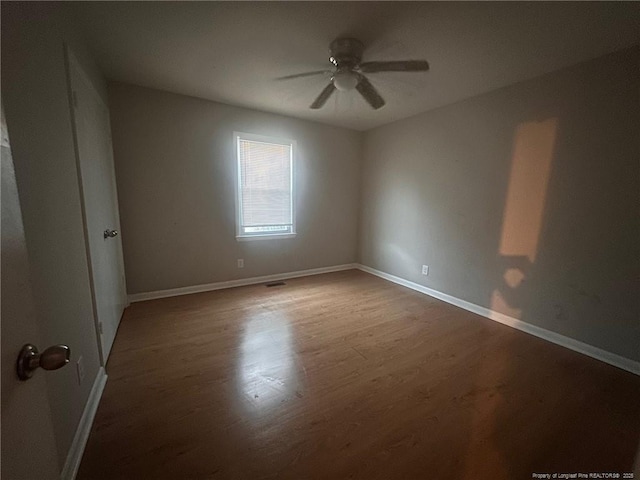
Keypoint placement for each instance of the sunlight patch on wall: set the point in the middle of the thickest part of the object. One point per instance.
(524, 210)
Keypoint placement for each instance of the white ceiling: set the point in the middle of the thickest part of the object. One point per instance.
(232, 52)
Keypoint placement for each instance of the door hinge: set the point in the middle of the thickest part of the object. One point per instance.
(100, 328)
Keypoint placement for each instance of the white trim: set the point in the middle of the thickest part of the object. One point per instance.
(269, 236)
(553, 337)
(140, 297)
(74, 457)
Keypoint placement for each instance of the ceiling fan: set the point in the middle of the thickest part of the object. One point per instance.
(346, 56)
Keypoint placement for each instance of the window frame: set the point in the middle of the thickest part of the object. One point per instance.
(252, 137)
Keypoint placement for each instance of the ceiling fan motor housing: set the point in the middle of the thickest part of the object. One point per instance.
(346, 52)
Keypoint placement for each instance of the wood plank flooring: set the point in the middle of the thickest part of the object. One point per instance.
(345, 375)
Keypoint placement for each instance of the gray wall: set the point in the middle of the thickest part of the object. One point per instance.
(524, 200)
(175, 167)
(34, 93)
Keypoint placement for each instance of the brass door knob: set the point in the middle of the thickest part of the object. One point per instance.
(29, 359)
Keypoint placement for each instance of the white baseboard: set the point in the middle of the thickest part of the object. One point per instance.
(74, 457)
(570, 343)
(140, 297)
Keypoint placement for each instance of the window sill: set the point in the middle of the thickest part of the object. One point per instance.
(249, 238)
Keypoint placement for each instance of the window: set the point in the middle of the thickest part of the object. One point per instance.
(264, 187)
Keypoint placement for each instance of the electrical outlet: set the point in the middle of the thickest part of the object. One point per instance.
(425, 269)
(241, 263)
(80, 370)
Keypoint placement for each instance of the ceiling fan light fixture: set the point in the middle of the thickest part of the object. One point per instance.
(345, 80)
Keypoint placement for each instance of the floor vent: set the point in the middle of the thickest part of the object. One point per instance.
(275, 284)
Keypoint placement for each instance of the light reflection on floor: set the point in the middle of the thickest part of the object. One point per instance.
(267, 373)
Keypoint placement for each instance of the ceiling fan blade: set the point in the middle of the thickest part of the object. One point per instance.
(395, 66)
(323, 97)
(369, 93)
(306, 74)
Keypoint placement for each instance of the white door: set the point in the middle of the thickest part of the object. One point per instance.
(28, 443)
(100, 205)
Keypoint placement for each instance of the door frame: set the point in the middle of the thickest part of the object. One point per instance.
(71, 62)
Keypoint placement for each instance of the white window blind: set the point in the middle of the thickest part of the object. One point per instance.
(265, 186)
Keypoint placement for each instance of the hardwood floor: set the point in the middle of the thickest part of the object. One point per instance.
(345, 375)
